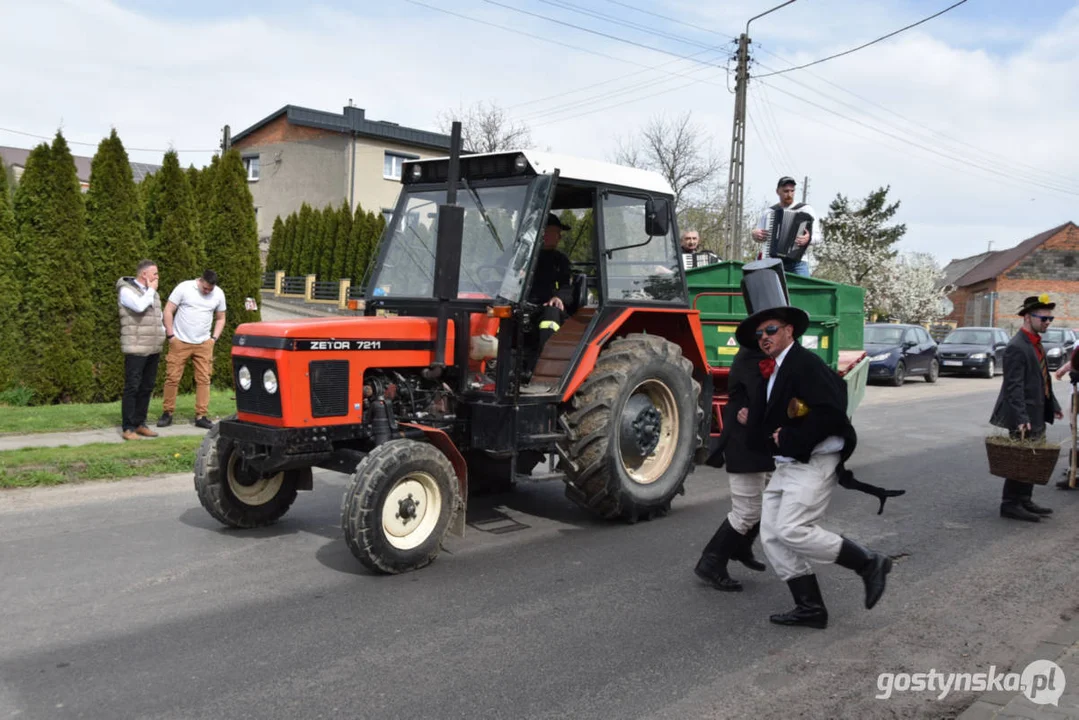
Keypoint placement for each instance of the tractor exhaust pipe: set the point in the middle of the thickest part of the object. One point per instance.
(448, 253)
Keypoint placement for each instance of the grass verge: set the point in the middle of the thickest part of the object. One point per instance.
(32, 467)
(93, 416)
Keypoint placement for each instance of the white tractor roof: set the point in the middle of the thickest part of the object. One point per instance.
(575, 168)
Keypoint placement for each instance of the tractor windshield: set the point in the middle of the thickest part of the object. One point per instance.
(501, 224)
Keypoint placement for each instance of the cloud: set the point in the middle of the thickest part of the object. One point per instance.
(1005, 99)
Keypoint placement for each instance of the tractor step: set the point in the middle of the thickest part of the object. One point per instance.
(543, 438)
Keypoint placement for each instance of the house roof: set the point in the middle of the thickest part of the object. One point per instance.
(352, 120)
(961, 266)
(17, 156)
(995, 263)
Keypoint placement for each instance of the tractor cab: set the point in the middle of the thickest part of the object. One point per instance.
(617, 233)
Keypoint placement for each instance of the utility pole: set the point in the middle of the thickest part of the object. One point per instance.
(805, 189)
(226, 139)
(737, 171)
(736, 168)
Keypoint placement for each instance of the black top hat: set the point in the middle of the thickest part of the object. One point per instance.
(764, 288)
(552, 219)
(1036, 302)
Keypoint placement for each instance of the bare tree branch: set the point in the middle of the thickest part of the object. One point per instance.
(485, 127)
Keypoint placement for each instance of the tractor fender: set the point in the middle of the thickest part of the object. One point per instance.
(680, 326)
(439, 439)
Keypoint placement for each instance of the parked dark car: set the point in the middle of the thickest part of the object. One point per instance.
(973, 350)
(1058, 344)
(898, 351)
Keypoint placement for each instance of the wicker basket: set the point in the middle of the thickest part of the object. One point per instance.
(1025, 462)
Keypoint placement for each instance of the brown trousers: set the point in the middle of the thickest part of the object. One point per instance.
(202, 358)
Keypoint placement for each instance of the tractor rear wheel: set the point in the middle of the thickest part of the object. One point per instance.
(398, 506)
(633, 427)
(235, 494)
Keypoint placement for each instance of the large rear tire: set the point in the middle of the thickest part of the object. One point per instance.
(233, 493)
(633, 429)
(398, 506)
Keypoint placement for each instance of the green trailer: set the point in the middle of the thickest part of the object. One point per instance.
(836, 321)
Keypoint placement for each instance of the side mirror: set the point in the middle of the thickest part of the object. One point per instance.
(657, 217)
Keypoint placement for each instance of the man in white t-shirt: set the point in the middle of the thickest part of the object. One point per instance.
(194, 318)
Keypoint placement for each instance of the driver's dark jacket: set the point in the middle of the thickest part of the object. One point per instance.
(552, 278)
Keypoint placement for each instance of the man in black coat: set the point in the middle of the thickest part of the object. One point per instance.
(1026, 402)
(748, 471)
(799, 416)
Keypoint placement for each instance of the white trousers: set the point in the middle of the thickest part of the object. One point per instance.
(746, 490)
(794, 502)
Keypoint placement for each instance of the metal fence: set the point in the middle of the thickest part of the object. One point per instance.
(326, 290)
(293, 285)
(355, 292)
(268, 280)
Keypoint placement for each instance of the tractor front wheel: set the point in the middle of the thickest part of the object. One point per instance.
(234, 493)
(633, 429)
(398, 506)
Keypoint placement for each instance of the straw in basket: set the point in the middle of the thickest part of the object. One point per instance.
(1030, 461)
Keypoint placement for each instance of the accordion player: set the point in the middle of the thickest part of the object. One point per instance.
(692, 260)
(784, 226)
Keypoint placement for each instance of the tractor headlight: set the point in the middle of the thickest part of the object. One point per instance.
(269, 381)
(244, 376)
(520, 164)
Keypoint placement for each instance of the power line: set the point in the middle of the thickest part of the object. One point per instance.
(872, 42)
(772, 128)
(764, 145)
(624, 23)
(76, 142)
(594, 32)
(670, 19)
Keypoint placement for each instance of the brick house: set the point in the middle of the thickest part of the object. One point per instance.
(990, 287)
(297, 155)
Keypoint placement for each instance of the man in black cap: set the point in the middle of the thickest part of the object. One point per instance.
(785, 190)
(799, 416)
(1026, 402)
(551, 285)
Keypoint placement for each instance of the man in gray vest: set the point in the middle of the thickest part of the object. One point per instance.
(142, 333)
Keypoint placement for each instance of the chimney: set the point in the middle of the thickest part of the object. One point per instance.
(353, 115)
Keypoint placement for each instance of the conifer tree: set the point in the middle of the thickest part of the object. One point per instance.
(117, 242)
(303, 233)
(289, 243)
(55, 327)
(341, 243)
(277, 239)
(9, 286)
(203, 196)
(233, 251)
(171, 226)
(330, 218)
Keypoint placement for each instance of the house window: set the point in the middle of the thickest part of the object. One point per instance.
(391, 164)
(251, 165)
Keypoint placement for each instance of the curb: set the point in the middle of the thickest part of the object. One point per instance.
(1063, 649)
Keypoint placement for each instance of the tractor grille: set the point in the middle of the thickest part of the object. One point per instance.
(256, 400)
(329, 388)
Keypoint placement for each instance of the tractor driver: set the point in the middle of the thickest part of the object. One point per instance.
(551, 286)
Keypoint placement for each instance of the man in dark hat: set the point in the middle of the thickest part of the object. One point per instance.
(800, 417)
(748, 471)
(551, 287)
(1026, 402)
(785, 188)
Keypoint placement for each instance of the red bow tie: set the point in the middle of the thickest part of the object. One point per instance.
(767, 366)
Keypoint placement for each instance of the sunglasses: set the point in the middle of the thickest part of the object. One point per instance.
(769, 330)
(1045, 318)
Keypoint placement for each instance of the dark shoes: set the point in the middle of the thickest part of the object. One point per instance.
(872, 566)
(809, 610)
(1031, 506)
(165, 420)
(726, 544)
(744, 553)
(713, 571)
(1016, 511)
(204, 422)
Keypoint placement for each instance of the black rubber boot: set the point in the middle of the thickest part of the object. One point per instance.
(809, 610)
(712, 567)
(744, 553)
(872, 566)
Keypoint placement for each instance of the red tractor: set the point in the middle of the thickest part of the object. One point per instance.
(441, 383)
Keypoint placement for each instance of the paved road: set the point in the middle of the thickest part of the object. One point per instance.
(126, 600)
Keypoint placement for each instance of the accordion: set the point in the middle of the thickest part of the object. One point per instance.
(698, 259)
(784, 226)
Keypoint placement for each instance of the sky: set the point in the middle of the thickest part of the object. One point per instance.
(968, 118)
